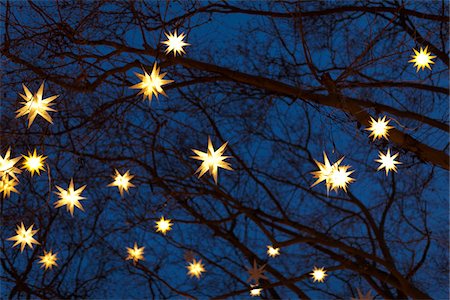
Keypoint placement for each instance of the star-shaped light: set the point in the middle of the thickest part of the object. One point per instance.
(7, 185)
(324, 172)
(175, 43)
(34, 105)
(335, 176)
(135, 253)
(387, 161)
(48, 260)
(151, 84)
(255, 291)
(272, 252)
(122, 181)
(361, 296)
(70, 197)
(7, 165)
(24, 237)
(379, 128)
(163, 226)
(340, 177)
(34, 163)
(256, 273)
(212, 160)
(318, 274)
(422, 59)
(196, 268)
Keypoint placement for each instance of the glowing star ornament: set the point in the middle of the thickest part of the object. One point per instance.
(24, 237)
(175, 43)
(340, 178)
(151, 84)
(33, 162)
(70, 197)
(48, 260)
(7, 185)
(135, 254)
(335, 176)
(272, 252)
(422, 59)
(318, 274)
(324, 172)
(255, 291)
(387, 161)
(256, 273)
(34, 105)
(212, 160)
(195, 268)
(7, 165)
(163, 226)
(379, 128)
(122, 181)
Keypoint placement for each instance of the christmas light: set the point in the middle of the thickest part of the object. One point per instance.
(379, 128)
(70, 197)
(196, 268)
(339, 178)
(135, 253)
(24, 237)
(422, 59)
(7, 186)
(387, 161)
(122, 181)
(255, 290)
(151, 84)
(272, 252)
(212, 160)
(7, 165)
(318, 274)
(175, 43)
(335, 176)
(34, 105)
(33, 162)
(163, 225)
(48, 260)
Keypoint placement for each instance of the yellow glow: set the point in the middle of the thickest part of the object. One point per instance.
(48, 260)
(175, 43)
(122, 181)
(335, 176)
(255, 290)
(163, 226)
(70, 197)
(272, 252)
(151, 84)
(24, 237)
(318, 274)
(196, 268)
(379, 128)
(135, 253)
(422, 59)
(7, 165)
(387, 161)
(34, 105)
(339, 178)
(7, 186)
(212, 160)
(34, 163)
